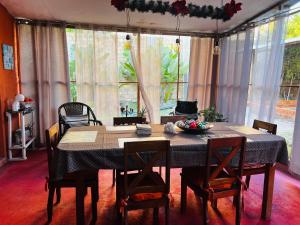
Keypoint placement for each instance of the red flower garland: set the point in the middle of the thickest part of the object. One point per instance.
(119, 4)
(180, 7)
(232, 8)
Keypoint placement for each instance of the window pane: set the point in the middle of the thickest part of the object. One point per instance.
(182, 93)
(128, 98)
(184, 58)
(287, 103)
(71, 58)
(126, 69)
(168, 95)
(169, 59)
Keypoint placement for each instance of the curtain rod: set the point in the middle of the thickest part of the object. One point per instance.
(262, 21)
(131, 29)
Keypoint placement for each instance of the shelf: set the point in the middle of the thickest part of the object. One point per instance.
(14, 147)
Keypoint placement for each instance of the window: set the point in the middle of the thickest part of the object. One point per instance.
(173, 86)
(128, 84)
(71, 57)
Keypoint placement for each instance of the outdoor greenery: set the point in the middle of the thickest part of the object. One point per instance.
(291, 63)
(293, 29)
(169, 70)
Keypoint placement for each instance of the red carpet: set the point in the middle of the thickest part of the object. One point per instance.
(23, 200)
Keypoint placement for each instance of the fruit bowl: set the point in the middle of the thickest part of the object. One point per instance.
(193, 126)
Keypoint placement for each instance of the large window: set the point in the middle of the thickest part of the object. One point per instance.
(173, 82)
(289, 89)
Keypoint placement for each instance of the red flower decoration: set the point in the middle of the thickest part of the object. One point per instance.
(180, 7)
(232, 8)
(119, 4)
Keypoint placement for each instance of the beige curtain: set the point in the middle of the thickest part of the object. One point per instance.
(150, 60)
(96, 72)
(201, 57)
(44, 70)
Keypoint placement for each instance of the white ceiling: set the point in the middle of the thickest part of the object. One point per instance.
(101, 12)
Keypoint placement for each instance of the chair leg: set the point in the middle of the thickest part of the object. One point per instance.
(125, 217)
(205, 212)
(160, 170)
(183, 195)
(248, 181)
(155, 215)
(58, 195)
(238, 210)
(97, 188)
(50, 203)
(167, 212)
(114, 177)
(214, 204)
(95, 197)
(80, 190)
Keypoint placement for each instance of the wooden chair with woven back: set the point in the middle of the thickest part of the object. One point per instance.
(144, 189)
(259, 168)
(69, 180)
(126, 121)
(218, 178)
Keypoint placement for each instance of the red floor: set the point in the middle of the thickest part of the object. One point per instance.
(23, 200)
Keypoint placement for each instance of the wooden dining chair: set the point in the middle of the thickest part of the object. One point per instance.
(144, 189)
(218, 178)
(254, 169)
(126, 121)
(271, 128)
(70, 179)
(172, 119)
(133, 120)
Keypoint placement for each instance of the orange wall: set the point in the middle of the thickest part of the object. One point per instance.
(8, 78)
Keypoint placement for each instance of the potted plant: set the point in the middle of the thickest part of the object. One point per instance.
(211, 115)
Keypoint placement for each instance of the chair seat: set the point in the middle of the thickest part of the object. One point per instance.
(89, 175)
(145, 182)
(195, 177)
(76, 120)
(253, 165)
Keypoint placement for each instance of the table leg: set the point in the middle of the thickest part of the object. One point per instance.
(80, 201)
(268, 192)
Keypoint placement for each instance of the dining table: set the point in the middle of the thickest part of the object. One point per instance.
(101, 147)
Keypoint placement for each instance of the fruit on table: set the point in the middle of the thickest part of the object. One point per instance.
(192, 124)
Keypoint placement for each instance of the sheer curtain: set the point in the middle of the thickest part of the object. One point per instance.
(266, 71)
(96, 72)
(200, 76)
(232, 87)
(295, 157)
(44, 70)
(148, 68)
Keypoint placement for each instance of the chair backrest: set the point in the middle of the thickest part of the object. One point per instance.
(269, 127)
(221, 152)
(173, 119)
(146, 155)
(128, 120)
(52, 139)
(75, 109)
(188, 108)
